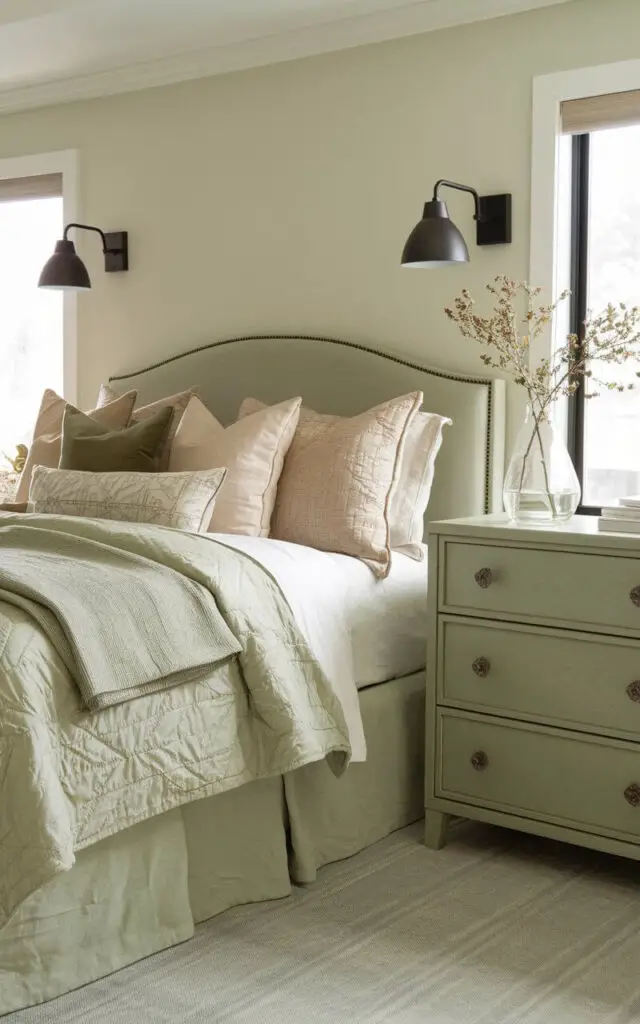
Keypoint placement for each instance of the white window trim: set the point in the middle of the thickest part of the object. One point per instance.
(64, 162)
(548, 93)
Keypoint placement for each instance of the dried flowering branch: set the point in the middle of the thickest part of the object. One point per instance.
(517, 320)
(19, 459)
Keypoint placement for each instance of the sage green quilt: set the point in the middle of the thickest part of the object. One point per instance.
(70, 777)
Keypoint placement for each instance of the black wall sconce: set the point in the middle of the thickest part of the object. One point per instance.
(65, 270)
(436, 241)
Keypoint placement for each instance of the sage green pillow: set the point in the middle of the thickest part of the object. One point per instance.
(88, 446)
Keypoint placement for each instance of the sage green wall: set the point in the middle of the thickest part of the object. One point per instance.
(279, 199)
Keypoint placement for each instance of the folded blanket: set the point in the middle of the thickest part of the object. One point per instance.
(123, 624)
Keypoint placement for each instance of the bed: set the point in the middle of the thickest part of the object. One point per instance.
(145, 888)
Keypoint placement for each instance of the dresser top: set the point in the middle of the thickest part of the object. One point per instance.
(580, 531)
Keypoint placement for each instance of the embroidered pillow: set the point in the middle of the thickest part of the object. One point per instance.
(178, 404)
(135, 449)
(339, 477)
(253, 451)
(411, 496)
(47, 434)
(181, 500)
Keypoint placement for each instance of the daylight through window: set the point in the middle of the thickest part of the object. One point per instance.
(604, 433)
(31, 325)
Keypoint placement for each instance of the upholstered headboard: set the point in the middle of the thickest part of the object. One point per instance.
(342, 377)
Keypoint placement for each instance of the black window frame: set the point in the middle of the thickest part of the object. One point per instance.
(579, 284)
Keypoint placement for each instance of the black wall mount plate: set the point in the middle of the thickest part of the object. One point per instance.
(117, 258)
(494, 221)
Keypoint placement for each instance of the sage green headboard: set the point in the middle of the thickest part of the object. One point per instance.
(343, 377)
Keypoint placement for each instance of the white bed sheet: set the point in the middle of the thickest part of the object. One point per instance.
(357, 625)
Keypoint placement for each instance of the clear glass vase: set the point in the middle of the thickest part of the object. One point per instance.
(541, 485)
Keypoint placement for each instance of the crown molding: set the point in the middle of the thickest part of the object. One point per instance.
(346, 33)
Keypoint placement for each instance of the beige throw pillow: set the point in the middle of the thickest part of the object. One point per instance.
(178, 403)
(339, 478)
(253, 451)
(181, 500)
(47, 435)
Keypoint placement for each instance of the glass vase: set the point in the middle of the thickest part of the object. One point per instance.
(540, 485)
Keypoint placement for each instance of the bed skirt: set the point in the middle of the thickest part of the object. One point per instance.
(145, 889)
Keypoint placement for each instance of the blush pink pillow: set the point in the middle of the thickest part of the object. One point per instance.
(253, 452)
(339, 478)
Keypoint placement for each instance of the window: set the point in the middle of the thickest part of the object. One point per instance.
(604, 433)
(31, 321)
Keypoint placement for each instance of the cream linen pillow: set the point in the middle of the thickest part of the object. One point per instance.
(339, 478)
(253, 452)
(178, 403)
(181, 500)
(411, 496)
(47, 435)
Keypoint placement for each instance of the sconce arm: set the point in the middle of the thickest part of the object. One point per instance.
(461, 188)
(89, 227)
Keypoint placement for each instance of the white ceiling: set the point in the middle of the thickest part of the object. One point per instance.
(52, 51)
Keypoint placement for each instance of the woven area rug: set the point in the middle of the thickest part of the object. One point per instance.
(496, 927)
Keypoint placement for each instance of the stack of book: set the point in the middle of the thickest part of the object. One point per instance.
(623, 517)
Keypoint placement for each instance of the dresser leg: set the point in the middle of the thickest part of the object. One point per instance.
(435, 829)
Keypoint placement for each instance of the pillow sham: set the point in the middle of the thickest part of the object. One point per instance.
(339, 477)
(411, 497)
(86, 445)
(178, 403)
(47, 434)
(253, 451)
(181, 500)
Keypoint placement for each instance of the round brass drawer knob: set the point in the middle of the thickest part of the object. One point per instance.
(633, 690)
(634, 595)
(484, 578)
(481, 668)
(632, 794)
(480, 761)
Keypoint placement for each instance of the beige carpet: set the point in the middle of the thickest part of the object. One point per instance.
(496, 927)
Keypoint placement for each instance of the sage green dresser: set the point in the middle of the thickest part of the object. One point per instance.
(533, 680)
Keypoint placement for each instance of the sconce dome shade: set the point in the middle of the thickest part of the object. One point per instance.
(435, 241)
(64, 270)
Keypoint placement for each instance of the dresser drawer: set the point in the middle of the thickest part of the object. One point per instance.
(541, 585)
(552, 775)
(563, 677)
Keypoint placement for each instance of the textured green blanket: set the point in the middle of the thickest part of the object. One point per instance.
(124, 624)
